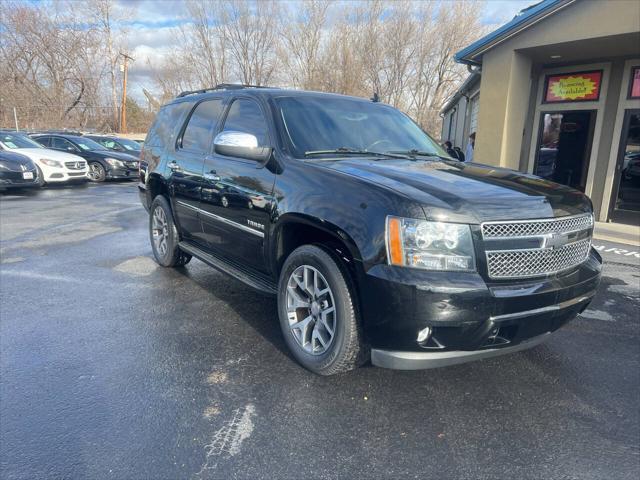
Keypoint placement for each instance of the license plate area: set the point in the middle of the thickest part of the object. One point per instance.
(27, 175)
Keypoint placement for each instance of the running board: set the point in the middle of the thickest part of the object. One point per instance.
(247, 275)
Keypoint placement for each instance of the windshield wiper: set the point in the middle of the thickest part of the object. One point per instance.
(353, 151)
(414, 152)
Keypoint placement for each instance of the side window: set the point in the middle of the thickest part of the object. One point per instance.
(245, 116)
(166, 124)
(44, 141)
(61, 144)
(198, 134)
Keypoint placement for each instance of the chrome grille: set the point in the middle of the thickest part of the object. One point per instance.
(549, 255)
(542, 261)
(536, 227)
(75, 165)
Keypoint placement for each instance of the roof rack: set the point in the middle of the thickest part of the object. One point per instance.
(221, 86)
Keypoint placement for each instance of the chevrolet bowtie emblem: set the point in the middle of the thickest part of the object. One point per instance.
(555, 240)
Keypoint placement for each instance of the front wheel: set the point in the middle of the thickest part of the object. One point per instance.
(97, 173)
(318, 315)
(164, 235)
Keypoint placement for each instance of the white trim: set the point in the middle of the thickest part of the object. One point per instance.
(551, 107)
(623, 104)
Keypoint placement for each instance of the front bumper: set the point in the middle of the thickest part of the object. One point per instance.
(464, 312)
(60, 176)
(425, 360)
(122, 173)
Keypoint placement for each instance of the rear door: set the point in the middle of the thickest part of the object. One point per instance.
(237, 193)
(184, 167)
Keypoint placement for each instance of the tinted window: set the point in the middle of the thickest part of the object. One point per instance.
(246, 116)
(198, 134)
(165, 125)
(328, 123)
(61, 144)
(46, 141)
(18, 141)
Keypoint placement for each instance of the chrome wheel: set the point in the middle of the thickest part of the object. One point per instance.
(95, 172)
(160, 230)
(311, 310)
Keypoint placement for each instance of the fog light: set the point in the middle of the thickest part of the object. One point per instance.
(424, 334)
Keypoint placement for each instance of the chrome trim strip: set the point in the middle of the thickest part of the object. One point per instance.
(539, 220)
(222, 219)
(537, 311)
(399, 360)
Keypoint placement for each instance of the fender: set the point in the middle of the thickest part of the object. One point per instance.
(337, 232)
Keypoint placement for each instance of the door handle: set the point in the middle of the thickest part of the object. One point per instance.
(173, 166)
(212, 176)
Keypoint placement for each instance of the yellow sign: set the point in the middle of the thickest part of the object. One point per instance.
(573, 87)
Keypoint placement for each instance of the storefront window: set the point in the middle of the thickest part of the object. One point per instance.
(626, 194)
(565, 146)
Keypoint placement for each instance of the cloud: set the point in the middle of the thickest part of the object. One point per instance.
(497, 12)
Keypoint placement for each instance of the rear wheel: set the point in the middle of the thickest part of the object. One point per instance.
(317, 310)
(97, 173)
(164, 235)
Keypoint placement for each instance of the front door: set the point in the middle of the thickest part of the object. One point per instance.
(625, 197)
(564, 147)
(185, 163)
(237, 193)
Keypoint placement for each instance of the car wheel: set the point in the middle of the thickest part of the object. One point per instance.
(41, 181)
(164, 235)
(318, 314)
(97, 173)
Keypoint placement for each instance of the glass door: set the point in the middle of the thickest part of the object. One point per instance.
(625, 197)
(564, 147)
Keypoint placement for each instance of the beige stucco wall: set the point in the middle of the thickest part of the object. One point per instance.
(506, 73)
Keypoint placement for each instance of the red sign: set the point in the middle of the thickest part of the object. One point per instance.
(573, 87)
(634, 92)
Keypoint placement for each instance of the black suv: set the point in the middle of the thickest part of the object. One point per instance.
(103, 163)
(376, 243)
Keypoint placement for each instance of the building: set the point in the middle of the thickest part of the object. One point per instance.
(556, 92)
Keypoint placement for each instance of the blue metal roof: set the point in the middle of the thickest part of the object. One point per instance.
(469, 54)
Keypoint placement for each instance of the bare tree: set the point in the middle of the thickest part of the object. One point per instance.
(302, 36)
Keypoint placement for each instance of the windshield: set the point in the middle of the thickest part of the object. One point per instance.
(87, 144)
(18, 141)
(315, 124)
(129, 144)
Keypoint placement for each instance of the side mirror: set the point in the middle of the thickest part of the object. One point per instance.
(240, 144)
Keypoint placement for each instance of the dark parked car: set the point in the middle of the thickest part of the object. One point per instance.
(117, 144)
(376, 243)
(17, 171)
(103, 163)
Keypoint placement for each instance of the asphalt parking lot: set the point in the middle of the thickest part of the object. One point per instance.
(112, 367)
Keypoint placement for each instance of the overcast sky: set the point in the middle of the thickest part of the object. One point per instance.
(152, 25)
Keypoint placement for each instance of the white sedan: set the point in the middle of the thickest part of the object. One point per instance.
(53, 166)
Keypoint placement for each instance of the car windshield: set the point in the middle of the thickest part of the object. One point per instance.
(317, 125)
(87, 144)
(129, 144)
(18, 141)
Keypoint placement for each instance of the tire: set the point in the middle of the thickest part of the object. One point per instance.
(165, 249)
(41, 181)
(97, 173)
(330, 353)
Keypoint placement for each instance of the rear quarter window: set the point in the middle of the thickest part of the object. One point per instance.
(166, 125)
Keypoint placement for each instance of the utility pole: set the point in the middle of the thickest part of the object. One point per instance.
(123, 108)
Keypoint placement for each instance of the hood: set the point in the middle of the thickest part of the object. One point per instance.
(125, 157)
(468, 192)
(36, 154)
(15, 162)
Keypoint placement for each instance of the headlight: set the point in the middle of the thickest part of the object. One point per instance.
(51, 163)
(429, 245)
(114, 162)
